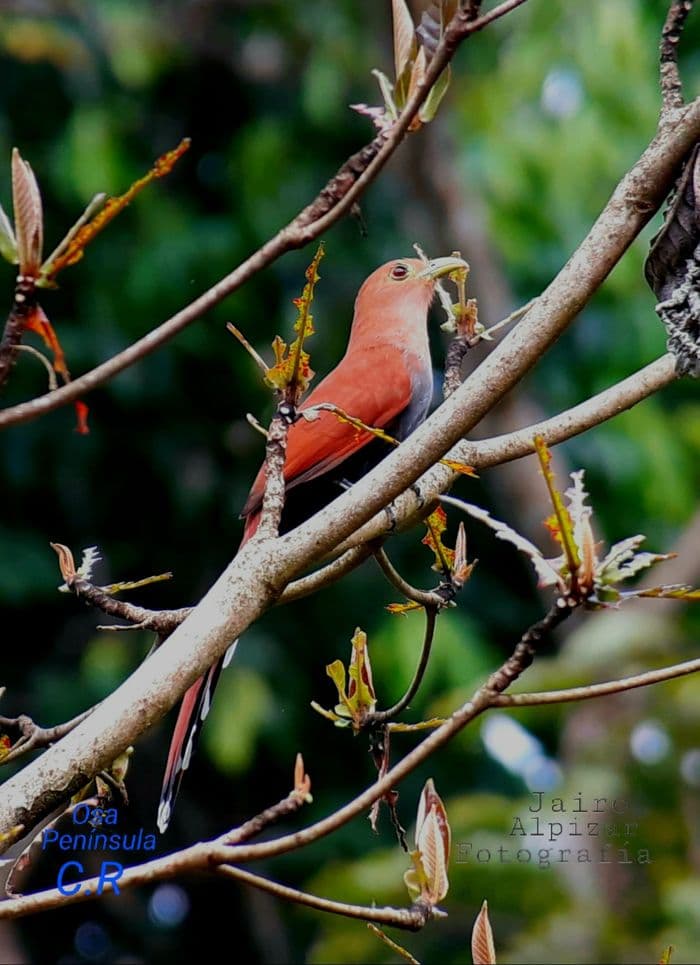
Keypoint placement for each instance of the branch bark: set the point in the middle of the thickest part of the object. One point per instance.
(257, 576)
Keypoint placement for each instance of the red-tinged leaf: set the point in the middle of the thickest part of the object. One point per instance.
(37, 321)
(666, 955)
(29, 219)
(81, 415)
(111, 208)
(403, 607)
(361, 695)
(483, 949)
(433, 840)
(436, 524)
(66, 562)
(5, 746)
(566, 529)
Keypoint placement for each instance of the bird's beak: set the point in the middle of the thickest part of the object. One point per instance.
(439, 267)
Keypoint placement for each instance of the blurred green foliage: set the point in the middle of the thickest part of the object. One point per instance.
(546, 111)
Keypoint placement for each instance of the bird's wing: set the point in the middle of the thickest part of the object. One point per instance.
(315, 447)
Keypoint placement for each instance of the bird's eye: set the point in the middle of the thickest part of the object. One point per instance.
(399, 271)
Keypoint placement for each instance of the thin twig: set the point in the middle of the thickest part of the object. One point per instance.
(23, 304)
(251, 582)
(53, 381)
(32, 736)
(383, 716)
(162, 622)
(409, 919)
(326, 575)
(671, 84)
(275, 486)
(598, 690)
(427, 598)
(594, 411)
(335, 200)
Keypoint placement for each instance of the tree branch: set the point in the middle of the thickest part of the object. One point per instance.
(334, 201)
(671, 84)
(383, 716)
(598, 690)
(257, 576)
(409, 919)
(599, 408)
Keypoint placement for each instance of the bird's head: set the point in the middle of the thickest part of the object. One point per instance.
(398, 294)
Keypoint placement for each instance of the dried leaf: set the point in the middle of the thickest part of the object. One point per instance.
(29, 219)
(91, 556)
(483, 950)
(673, 269)
(81, 414)
(111, 208)
(460, 467)
(546, 573)
(673, 592)
(114, 588)
(37, 321)
(403, 607)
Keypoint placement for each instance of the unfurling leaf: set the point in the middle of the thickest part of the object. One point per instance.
(436, 524)
(564, 523)
(672, 269)
(404, 36)
(361, 695)
(428, 877)
(29, 219)
(302, 781)
(666, 955)
(291, 373)
(66, 563)
(623, 561)
(355, 703)
(483, 949)
(71, 250)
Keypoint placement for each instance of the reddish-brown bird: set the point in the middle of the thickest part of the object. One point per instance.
(385, 380)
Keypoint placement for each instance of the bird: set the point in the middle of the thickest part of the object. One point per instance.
(385, 379)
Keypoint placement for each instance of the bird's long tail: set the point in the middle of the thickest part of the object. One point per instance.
(193, 712)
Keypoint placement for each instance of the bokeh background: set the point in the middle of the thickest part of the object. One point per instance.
(545, 113)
